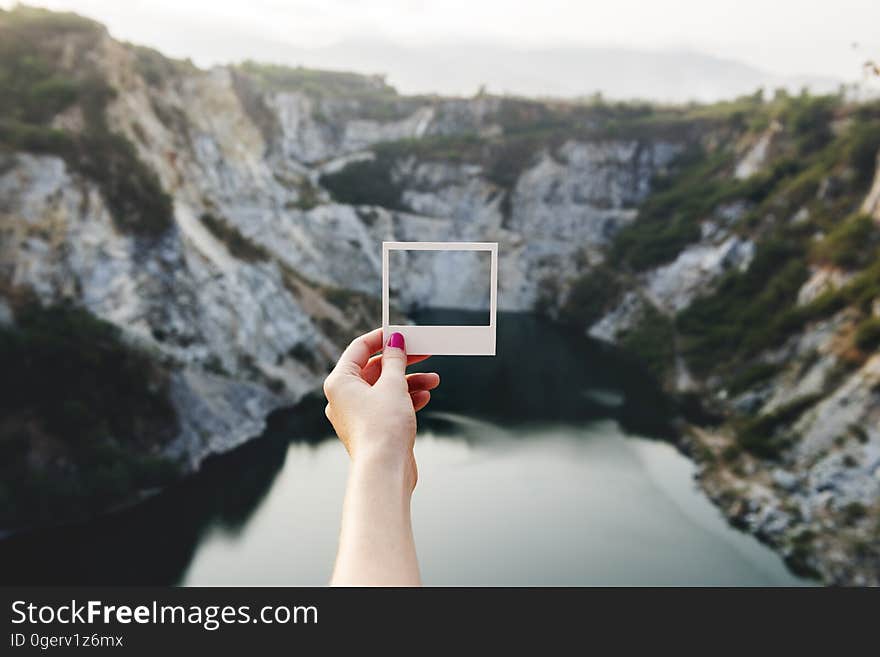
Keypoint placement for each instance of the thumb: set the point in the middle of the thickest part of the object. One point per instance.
(394, 358)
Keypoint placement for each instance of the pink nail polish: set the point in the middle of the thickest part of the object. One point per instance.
(396, 341)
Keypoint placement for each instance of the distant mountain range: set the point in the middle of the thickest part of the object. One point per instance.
(618, 73)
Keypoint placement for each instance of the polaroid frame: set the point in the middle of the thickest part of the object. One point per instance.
(444, 340)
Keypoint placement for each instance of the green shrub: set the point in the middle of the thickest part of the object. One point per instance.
(810, 118)
(853, 512)
(669, 219)
(156, 68)
(858, 432)
(367, 182)
(861, 147)
(509, 158)
(860, 291)
(867, 336)
(591, 296)
(761, 435)
(695, 408)
(439, 148)
(32, 90)
(652, 341)
(737, 320)
(237, 244)
(17, 136)
(799, 561)
(34, 87)
(84, 416)
(751, 376)
(801, 189)
(852, 244)
(731, 453)
(307, 197)
(132, 190)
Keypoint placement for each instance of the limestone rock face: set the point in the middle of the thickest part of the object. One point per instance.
(822, 280)
(673, 286)
(627, 313)
(563, 207)
(261, 277)
(756, 156)
(871, 206)
(61, 243)
(850, 405)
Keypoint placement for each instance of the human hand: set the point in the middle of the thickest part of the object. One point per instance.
(372, 402)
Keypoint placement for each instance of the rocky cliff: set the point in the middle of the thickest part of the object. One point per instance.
(765, 308)
(228, 223)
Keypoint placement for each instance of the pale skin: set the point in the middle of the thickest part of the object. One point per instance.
(372, 405)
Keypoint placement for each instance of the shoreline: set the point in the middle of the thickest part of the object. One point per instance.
(690, 441)
(752, 501)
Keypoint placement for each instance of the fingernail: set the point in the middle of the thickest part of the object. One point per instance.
(396, 341)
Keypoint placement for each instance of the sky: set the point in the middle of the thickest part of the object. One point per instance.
(787, 37)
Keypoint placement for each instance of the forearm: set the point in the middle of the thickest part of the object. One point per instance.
(376, 546)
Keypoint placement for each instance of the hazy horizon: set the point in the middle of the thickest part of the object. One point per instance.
(672, 50)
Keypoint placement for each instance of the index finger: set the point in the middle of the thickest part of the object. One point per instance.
(357, 354)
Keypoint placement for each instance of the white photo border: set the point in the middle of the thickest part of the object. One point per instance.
(444, 340)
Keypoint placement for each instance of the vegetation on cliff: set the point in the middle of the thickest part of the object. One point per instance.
(801, 210)
(337, 94)
(84, 417)
(757, 309)
(368, 182)
(526, 129)
(47, 67)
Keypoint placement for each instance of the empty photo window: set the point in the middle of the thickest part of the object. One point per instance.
(437, 288)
